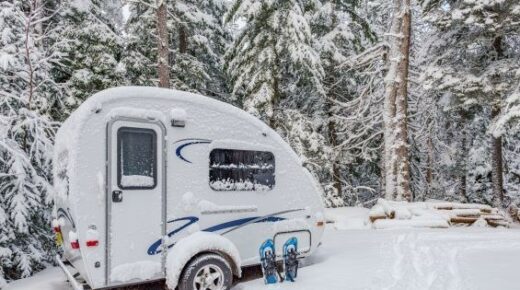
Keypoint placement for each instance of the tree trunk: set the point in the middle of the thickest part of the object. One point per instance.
(429, 161)
(183, 40)
(27, 42)
(273, 122)
(496, 156)
(497, 164)
(397, 166)
(333, 136)
(333, 140)
(401, 142)
(162, 45)
(463, 180)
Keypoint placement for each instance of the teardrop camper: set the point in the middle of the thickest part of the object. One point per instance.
(151, 182)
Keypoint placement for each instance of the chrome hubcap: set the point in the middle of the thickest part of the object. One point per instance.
(209, 277)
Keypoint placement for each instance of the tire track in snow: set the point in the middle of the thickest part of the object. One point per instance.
(397, 266)
(422, 264)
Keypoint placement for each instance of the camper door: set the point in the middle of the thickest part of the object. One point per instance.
(135, 199)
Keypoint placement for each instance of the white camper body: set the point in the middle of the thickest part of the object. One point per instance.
(137, 169)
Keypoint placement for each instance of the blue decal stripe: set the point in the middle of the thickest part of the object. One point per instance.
(195, 141)
(262, 218)
(154, 249)
(190, 219)
(240, 222)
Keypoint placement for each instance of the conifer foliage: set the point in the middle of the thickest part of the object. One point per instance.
(26, 135)
(473, 63)
(90, 48)
(272, 63)
(197, 39)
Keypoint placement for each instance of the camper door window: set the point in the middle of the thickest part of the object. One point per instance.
(136, 158)
(241, 170)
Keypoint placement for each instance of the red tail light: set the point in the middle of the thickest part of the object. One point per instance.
(74, 244)
(93, 243)
(92, 236)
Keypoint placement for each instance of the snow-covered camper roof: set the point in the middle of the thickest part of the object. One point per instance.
(72, 126)
(68, 137)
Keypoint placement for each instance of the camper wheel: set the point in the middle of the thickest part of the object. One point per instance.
(207, 272)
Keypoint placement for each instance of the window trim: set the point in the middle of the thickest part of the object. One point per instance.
(235, 190)
(150, 131)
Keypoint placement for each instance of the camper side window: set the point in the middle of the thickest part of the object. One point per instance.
(136, 158)
(241, 170)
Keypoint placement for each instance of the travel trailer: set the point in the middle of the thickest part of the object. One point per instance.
(156, 184)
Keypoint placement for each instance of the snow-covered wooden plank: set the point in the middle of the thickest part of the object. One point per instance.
(417, 223)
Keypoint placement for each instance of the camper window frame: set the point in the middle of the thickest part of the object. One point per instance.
(270, 187)
(121, 130)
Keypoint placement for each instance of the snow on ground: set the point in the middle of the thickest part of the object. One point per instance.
(50, 279)
(348, 218)
(458, 258)
(353, 257)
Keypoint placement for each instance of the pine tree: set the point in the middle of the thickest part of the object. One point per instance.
(277, 76)
(472, 57)
(197, 40)
(26, 135)
(200, 40)
(91, 50)
(140, 53)
(341, 35)
(272, 62)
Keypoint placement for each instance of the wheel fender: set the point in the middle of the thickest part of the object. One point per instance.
(187, 248)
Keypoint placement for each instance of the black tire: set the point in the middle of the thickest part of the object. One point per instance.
(197, 267)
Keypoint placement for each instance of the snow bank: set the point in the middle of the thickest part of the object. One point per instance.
(433, 214)
(48, 279)
(142, 270)
(196, 243)
(411, 223)
(387, 214)
(348, 218)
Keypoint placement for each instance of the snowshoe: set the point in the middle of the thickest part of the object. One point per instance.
(290, 259)
(268, 261)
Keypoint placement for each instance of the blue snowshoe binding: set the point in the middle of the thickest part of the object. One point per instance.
(290, 259)
(268, 261)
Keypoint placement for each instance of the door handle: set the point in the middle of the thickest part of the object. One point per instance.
(117, 196)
